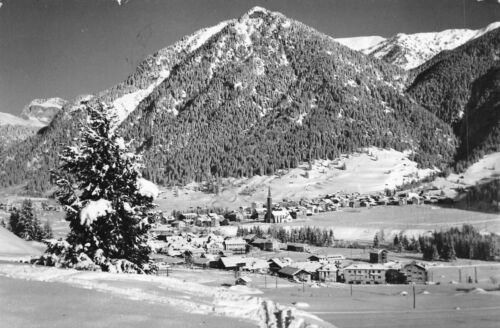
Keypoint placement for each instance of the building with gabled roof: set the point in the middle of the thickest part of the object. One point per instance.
(294, 273)
(232, 262)
(415, 272)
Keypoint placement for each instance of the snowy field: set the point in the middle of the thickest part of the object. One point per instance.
(236, 307)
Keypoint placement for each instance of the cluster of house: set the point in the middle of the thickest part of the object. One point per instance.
(38, 205)
(235, 253)
(334, 202)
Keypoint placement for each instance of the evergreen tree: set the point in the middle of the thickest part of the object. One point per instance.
(47, 231)
(435, 253)
(108, 204)
(24, 223)
(376, 242)
(15, 223)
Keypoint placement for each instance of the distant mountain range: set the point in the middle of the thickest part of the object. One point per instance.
(412, 50)
(260, 93)
(37, 114)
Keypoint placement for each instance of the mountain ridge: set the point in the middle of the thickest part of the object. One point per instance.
(248, 97)
(412, 50)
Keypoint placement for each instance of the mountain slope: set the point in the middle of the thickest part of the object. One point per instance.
(251, 96)
(480, 127)
(37, 114)
(444, 84)
(411, 50)
(462, 88)
(15, 129)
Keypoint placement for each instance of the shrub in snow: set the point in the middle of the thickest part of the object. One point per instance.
(108, 204)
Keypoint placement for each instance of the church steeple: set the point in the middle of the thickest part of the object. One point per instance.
(269, 213)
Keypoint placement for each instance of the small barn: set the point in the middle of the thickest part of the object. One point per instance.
(296, 247)
(232, 263)
(266, 244)
(294, 273)
(243, 281)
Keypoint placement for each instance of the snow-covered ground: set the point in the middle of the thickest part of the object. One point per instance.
(13, 246)
(486, 168)
(361, 42)
(182, 295)
(9, 119)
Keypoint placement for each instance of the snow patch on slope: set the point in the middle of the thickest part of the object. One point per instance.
(361, 42)
(126, 104)
(197, 39)
(9, 119)
(487, 167)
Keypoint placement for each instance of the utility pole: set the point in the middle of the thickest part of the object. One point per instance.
(265, 281)
(351, 290)
(414, 298)
(475, 274)
(276, 281)
(460, 275)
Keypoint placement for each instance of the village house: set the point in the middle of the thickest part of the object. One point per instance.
(415, 272)
(232, 263)
(214, 248)
(266, 244)
(276, 265)
(336, 259)
(365, 273)
(327, 273)
(294, 273)
(378, 256)
(235, 245)
(200, 262)
(188, 217)
(203, 221)
(297, 247)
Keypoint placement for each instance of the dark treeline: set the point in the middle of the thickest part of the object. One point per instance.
(307, 235)
(465, 243)
(25, 224)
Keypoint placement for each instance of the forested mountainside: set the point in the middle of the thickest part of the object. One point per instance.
(461, 87)
(266, 93)
(443, 84)
(250, 96)
(479, 129)
(11, 134)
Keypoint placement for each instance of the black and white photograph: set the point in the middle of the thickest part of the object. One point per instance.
(249, 163)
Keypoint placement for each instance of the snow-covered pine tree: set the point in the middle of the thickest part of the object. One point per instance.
(107, 202)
